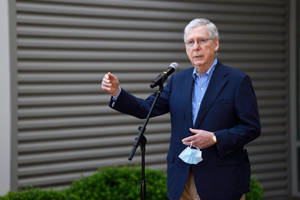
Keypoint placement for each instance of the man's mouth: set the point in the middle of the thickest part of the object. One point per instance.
(197, 55)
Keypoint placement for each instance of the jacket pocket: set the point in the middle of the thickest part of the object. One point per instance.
(229, 162)
(225, 101)
(234, 158)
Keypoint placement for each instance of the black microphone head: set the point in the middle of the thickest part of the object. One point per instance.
(172, 67)
(159, 80)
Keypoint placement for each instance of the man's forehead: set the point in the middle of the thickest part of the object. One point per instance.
(199, 30)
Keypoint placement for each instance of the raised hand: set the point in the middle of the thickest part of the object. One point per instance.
(110, 84)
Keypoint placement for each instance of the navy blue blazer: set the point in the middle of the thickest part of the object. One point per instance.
(229, 109)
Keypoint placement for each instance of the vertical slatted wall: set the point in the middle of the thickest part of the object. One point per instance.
(64, 47)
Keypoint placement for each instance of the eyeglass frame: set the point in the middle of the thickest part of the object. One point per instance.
(201, 41)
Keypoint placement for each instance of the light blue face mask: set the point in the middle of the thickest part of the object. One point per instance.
(191, 156)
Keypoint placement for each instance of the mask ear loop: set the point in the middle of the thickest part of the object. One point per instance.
(191, 145)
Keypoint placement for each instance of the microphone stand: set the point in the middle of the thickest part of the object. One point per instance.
(141, 141)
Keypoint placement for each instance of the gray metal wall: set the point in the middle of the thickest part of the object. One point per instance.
(62, 125)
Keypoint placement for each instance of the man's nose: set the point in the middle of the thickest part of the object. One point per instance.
(196, 45)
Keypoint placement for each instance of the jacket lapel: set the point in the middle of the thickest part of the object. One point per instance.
(216, 84)
(188, 84)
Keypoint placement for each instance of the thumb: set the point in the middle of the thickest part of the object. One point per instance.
(194, 131)
(111, 76)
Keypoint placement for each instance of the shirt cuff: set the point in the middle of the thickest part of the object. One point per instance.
(115, 97)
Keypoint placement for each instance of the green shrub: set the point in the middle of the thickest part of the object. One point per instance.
(120, 183)
(114, 183)
(111, 183)
(256, 191)
(35, 194)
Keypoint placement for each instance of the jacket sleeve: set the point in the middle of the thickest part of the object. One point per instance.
(137, 107)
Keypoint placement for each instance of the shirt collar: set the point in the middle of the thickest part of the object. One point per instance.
(208, 72)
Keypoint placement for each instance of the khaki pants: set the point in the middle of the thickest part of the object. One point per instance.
(190, 191)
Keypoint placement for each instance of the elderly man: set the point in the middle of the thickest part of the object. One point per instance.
(213, 109)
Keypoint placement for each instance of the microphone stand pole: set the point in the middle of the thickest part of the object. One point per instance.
(141, 141)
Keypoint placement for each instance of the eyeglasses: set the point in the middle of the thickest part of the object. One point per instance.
(202, 42)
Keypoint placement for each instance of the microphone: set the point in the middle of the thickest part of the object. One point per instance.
(160, 79)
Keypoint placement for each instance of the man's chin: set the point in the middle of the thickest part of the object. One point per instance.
(198, 64)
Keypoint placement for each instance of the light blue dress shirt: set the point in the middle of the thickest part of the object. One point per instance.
(199, 88)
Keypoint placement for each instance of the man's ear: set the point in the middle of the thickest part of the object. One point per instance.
(216, 44)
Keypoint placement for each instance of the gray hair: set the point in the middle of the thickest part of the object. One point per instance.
(212, 29)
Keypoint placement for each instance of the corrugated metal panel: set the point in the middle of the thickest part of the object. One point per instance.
(64, 47)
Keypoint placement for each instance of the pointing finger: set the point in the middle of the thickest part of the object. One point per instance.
(188, 139)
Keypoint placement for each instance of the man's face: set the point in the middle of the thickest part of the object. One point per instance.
(200, 48)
